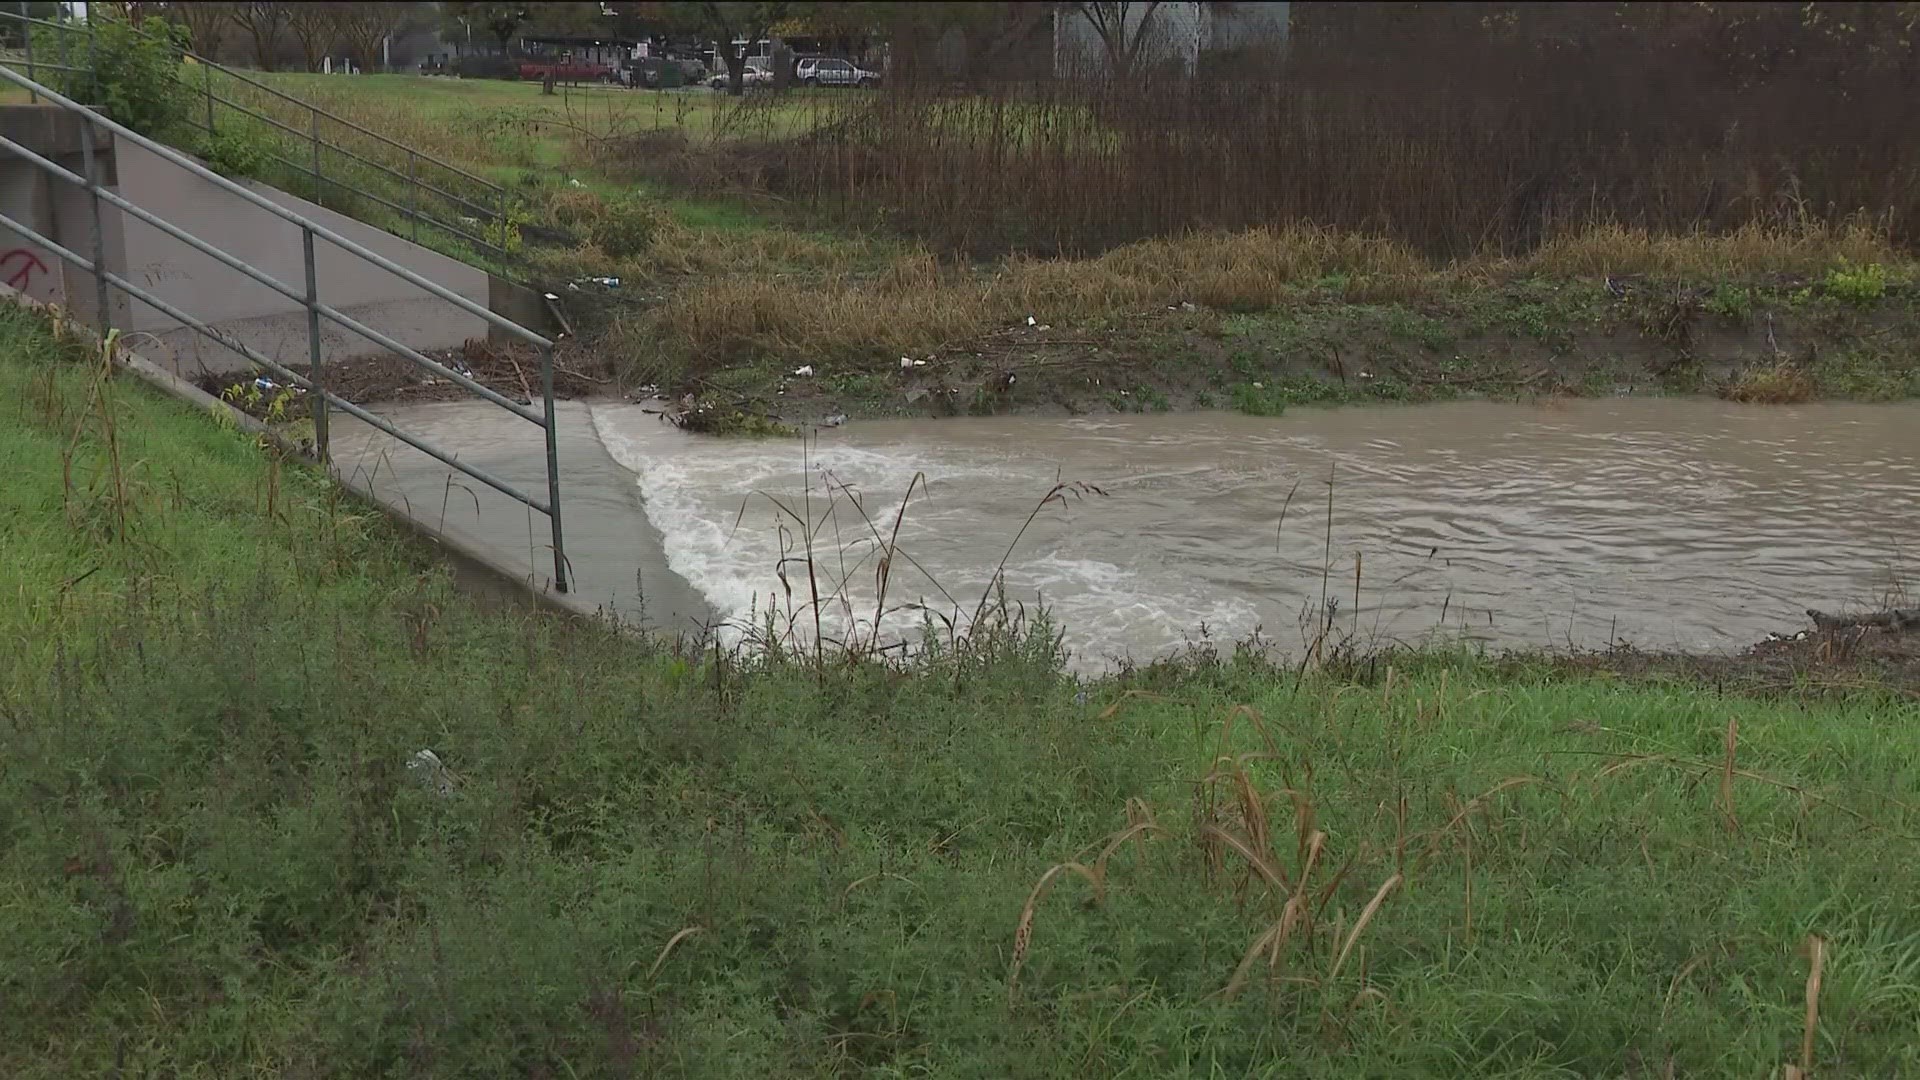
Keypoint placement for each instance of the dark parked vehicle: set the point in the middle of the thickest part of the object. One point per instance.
(566, 71)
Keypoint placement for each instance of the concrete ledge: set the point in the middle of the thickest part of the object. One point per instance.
(473, 569)
(49, 130)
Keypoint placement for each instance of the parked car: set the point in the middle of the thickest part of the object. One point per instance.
(759, 73)
(664, 73)
(566, 71)
(827, 71)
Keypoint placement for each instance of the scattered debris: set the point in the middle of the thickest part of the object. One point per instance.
(1894, 619)
(804, 371)
(575, 183)
(1031, 321)
(432, 772)
(907, 362)
(835, 420)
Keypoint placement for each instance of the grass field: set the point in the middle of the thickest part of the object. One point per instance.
(495, 124)
(642, 860)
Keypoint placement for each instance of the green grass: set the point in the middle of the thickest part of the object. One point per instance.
(214, 860)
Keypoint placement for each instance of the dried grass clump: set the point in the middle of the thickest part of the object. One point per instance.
(1805, 248)
(1780, 383)
(763, 316)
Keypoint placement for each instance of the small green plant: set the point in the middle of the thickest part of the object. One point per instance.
(504, 233)
(628, 226)
(236, 153)
(1256, 399)
(1858, 285)
(135, 73)
(1730, 304)
(250, 398)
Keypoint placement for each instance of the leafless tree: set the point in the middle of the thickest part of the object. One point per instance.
(316, 26)
(207, 25)
(364, 26)
(1125, 30)
(262, 22)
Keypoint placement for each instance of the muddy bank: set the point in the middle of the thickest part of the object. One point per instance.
(512, 371)
(1829, 654)
(1340, 343)
(1778, 340)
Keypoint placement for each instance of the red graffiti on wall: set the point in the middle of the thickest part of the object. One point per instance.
(20, 264)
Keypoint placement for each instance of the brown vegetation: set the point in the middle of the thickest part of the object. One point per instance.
(1447, 134)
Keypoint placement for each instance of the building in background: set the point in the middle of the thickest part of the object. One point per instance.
(1095, 40)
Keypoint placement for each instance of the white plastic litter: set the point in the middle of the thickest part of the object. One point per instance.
(1031, 321)
(804, 371)
(432, 772)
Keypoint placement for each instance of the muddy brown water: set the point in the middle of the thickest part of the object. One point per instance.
(1673, 523)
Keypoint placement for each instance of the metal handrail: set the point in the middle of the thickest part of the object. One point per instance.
(274, 208)
(497, 195)
(313, 138)
(265, 119)
(271, 282)
(314, 382)
(293, 377)
(284, 96)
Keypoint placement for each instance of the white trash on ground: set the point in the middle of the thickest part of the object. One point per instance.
(432, 772)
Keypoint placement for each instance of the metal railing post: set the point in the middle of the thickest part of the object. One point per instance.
(553, 471)
(314, 372)
(500, 244)
(413, 194)
(26, 40)
(319, 190)
(90, 163)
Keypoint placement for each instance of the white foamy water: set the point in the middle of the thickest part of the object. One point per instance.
(1690, 524)
(730, 511)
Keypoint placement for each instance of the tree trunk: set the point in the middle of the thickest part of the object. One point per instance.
(736, 57)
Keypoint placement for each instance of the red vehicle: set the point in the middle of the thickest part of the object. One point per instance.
(565, 71)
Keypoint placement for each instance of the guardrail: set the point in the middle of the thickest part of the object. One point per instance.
(314, 380)
(475, 214)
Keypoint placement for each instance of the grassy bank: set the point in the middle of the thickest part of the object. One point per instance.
(727, 288)
(640, 860)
